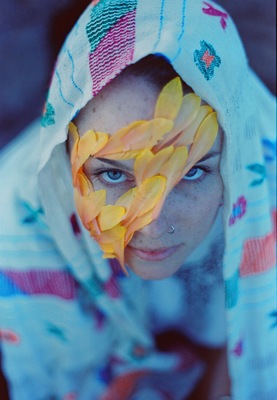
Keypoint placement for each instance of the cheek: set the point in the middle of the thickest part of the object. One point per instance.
(196, 205)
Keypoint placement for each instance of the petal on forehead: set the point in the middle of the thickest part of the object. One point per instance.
(187, 136)
(204, 139)
(188, 112)
(169, 100)
(129, 141)
(88, 143)
(189, 109)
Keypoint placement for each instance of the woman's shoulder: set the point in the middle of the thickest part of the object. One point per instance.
(18, 177)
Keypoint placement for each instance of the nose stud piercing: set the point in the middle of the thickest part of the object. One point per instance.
(171, 230)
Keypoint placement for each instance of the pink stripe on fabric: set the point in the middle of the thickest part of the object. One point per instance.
(44, 282)
(259, 254)
(113, 53)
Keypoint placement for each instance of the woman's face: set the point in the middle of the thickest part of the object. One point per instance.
(191, 207)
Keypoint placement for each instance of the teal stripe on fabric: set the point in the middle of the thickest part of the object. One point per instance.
(231, 290)
(101, 23)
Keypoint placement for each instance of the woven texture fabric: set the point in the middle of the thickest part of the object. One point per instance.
(80, 328)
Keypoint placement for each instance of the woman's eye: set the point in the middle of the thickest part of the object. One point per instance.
(194, 173)
(113, 176)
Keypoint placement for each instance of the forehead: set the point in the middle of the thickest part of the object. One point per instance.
(124, 100)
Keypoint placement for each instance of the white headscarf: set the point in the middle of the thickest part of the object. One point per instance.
(200, 40)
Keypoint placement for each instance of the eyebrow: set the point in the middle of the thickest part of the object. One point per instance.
(119, 165)
(115, 163)
(209, 155)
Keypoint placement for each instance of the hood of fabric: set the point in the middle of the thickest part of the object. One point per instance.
(201, 42)
(197, 38)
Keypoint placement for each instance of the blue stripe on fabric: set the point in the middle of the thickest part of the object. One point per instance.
(8, 288)
(73, 70)
(252, 220)
(182, 29)
(161, 24)
(60, 90)
(183, 21)
(268, 287)
(259, 202)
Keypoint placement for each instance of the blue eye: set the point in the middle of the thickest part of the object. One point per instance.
(113, 176)
(193, 174)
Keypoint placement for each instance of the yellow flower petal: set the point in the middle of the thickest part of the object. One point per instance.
(110, 216)
(141, 163)
(204, 139)
(137, 224)
(89, 206)
(72, 128)
(173, 168)
(190, 132)
(90, 143)
(169, 100)
(115, 145)
(83, 184)
(146, 197)
(188, 111)
(126, 199)
(129, 141)
(173, 172)
(148, 164)
(87, 144)
(112, 243)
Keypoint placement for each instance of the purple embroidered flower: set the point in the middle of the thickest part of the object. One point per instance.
(206, 59)
(238, 349)
(239, 209)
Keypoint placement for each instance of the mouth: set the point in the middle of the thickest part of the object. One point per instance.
(153, 254)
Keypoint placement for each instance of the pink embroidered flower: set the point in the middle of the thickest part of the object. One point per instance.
(239, 209)
(210, 10)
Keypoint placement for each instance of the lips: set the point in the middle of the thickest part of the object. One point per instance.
(153, 255)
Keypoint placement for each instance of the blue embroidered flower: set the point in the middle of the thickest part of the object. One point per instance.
(206, 59)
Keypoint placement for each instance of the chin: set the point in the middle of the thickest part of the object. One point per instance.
(152, 271)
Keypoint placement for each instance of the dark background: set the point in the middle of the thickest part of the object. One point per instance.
(32, 32)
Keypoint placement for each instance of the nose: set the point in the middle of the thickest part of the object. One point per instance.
(156, 228)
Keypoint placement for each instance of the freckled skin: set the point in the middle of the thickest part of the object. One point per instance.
(192, 205)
